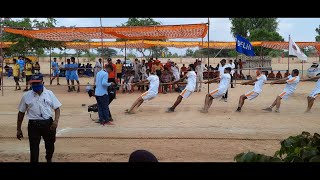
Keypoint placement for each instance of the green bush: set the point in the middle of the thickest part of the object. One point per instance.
(300, 148)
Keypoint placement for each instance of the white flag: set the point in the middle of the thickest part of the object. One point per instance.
(295, 51)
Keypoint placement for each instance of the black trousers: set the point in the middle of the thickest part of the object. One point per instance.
(36, 130)
(112, 80)
(111, 98)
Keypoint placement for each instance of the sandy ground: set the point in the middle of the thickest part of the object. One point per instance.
(216, 136)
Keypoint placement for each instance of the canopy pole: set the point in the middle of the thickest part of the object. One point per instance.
(102, 50)
(201, 48)
(302, 68)
(65, 56)
(261, 56)
(125, 53)
(208, 53)
(289, 55)
(50, 64)
(1, 56)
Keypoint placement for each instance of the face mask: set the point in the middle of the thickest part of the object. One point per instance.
(37, 88)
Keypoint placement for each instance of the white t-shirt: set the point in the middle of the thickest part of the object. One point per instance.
(221, 69)
(174, 70)
(154, 83)
(318, 84)
(259, 83)
(200, 68)
(192, 79)
(292, 83)
(232, 66)
(39, 107)
(224, 82)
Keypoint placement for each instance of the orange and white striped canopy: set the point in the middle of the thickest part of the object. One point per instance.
(131, 32)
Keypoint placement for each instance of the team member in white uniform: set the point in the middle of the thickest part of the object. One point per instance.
(259, 81)
(314, 93)
(232, 66)
(291, 85)
(191, 75)
(199, 69)
(148, 95)
(220, 91)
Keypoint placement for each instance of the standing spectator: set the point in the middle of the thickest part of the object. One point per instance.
(232, 66)
(236, 66)
(175, 72)
(137, 69)
(183, 70)
(62, 69)
(37, 68)
(240, 63)
(143, 73)
(199, 70)
(28, 73)
(74, 74)
(157, 68)
(6, 68)
(68, 68)
(102, 96)
(38, 104)
(16, 73)
(55, 71)
(21, 63)
(112, 74)
(119, 70)
(97, 67)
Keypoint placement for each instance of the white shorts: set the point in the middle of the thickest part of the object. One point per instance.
(285, 95)
(315, 92)
(216, 93)
(251, 95)
(148, 95)
(185, 93)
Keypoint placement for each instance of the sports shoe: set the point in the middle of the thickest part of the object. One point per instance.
(169, 110)
(108, 123)
(225, 100)
(267, 109)
(277, 110)
(238, 110)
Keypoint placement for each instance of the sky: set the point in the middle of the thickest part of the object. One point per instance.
(300, 29)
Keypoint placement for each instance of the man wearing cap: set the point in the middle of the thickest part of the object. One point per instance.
(199, 70)
(38, 104)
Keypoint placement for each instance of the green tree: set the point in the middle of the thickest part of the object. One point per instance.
(153, 51)
(318, 36)
(25, 45)
(189, 52)
(243, 26)
(106, 52)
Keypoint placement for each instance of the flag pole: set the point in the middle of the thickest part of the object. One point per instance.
(289, 54)
(208, 54)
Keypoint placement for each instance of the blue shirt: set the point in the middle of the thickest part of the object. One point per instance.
(67, 71)
(21, 63)
(102, 83)
(55, 66)
(74, 71)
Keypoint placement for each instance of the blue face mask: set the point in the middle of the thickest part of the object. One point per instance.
(37, 88)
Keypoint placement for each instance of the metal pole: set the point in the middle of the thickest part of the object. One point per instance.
(288, 54)
(101, 44)
(1, 56)
(261, 56)
(208, 52)
(125, 53)
(302, 68)
(200, 51)
(50, 64)
(65, 56)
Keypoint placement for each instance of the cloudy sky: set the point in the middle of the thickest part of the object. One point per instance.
(300, 29)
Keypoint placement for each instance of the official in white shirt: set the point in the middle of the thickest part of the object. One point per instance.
(38, 104)
(232, 66)
(200, 68)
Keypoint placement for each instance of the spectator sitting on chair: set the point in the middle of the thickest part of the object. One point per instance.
(271, 75)
(286, 74)
(128, 79)
(279, 75)
(166, 78)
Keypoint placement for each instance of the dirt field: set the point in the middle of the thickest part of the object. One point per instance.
(155, 127)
